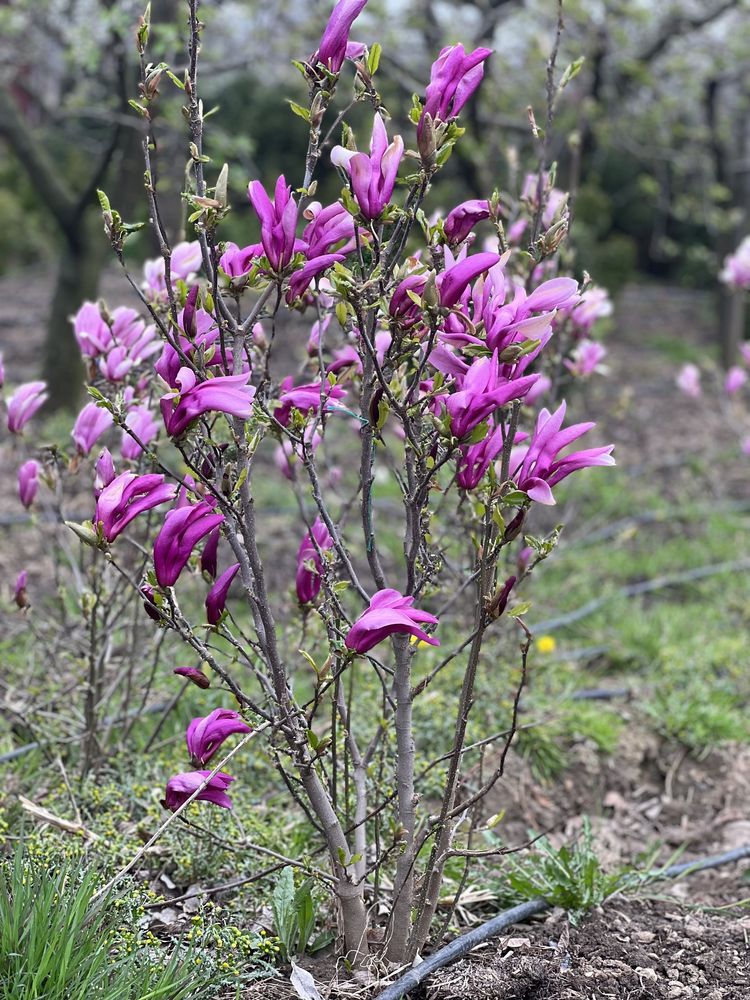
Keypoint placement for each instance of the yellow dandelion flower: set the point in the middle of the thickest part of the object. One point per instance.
(419, 643)
(546, 644)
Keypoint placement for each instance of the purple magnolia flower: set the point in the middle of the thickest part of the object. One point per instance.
(542, 385)
(28, 482)
(586, 359)
(402, 307)
(483, 390)
(141, 421)
(184, 263)
(181, 786)
(205, 735)
(19, 595)
(389, 613)
(462, 219)
(104, 471)
(735, 379)
(91, 332)
(194, 675)
(454, 281)
(226, 394)
(217, 595)
(206, 339)
(348, 356)
(374, 176)
(552, 294)
(24, 403)
(476, 458)
(127, 496)
(116, 364)
(210, 553)
(689, 380)
(536, 468)
(236, 261)
(305, 398)
(150, 605)
(278, 221)
(300, 280)
(454, 77)
(327, 227)
(183, 528)
(332, 50)
(310, 563)
(91, 423)
(317, 334)
(587, 308)
(288, 454)
(736, 270)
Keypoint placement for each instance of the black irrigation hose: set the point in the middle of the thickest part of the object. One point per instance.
(464, 944)
(637, 589)
(584, 694)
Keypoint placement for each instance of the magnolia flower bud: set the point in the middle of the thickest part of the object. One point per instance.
(555, 235)
(430, 295)
(510, 354)
(426, 142)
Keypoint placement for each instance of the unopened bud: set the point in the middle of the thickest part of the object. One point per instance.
(193, 674)
(426, 142)
(499, 602)
(510, 354)
(151, 84)
(430, 296)
(514, 528)
(222, 183)
(555, 235)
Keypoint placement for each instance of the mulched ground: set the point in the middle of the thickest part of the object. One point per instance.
(638, 950)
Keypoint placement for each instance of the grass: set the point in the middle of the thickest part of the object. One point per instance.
(57, 942)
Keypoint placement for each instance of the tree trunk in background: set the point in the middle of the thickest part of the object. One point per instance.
(732, 169)
(81, 258)
(732, 318)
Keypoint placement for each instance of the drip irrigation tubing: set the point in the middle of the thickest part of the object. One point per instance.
(583, 694)
(466, 942)
(643, 587)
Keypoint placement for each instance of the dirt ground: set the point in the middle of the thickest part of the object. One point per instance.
(633, 950)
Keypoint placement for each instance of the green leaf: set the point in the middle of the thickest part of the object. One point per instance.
(514, 498)
(284, 910)
(571, 72)
(520, 609)
(176, 80)
(305, 914)
(373, 59)
(299, 111)
(85, 532)
(143, 111)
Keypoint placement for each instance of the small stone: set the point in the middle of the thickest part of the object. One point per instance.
(693, 929)
(645, 974)
(644, 937)
(518, 942)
